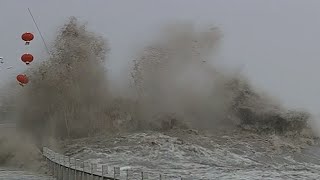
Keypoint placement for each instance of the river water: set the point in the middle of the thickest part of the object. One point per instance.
(192, 156)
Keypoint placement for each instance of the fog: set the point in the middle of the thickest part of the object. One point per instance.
(258, 36)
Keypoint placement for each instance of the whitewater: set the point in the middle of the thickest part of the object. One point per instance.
(190, 155)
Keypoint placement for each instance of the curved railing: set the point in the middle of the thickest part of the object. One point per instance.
(66, 168)
(63, 167)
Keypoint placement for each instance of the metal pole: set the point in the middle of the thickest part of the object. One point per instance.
(69, 169)
(62, 174)
(82, 174)
(47, 162)
(92, 170)
(127, 174)
(53, 164)
(59, 171)
(56, 169)
(53, 168)
(75, 169)
(102, 173)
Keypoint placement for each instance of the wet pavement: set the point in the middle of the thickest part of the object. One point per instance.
(10, 174)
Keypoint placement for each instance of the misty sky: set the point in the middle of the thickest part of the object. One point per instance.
(276, 41)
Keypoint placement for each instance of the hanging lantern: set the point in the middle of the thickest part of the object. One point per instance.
(27, 58)
(27, 37)
(22, 79)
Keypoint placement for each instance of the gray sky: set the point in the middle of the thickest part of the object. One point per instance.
(277, 41)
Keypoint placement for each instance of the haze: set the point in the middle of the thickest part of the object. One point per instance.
(259, 36)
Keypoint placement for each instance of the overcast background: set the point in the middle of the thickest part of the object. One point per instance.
(276, 41)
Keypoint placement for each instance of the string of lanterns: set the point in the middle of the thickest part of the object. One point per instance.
(26, 58)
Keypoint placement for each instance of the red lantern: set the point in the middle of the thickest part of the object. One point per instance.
(22, 79)
(27, 37)
(27, 58)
